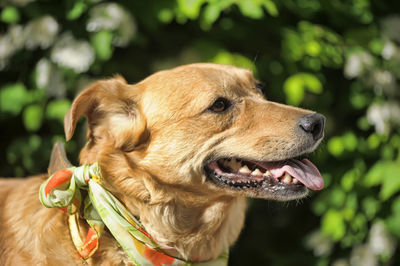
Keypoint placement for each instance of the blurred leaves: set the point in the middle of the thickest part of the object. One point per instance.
(296, 86)
(57, 109)
(10, 15)
(13, 98)
(333, 224)
(387, 174)
(32, 117)
(102, 44)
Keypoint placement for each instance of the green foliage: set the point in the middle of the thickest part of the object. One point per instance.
(57, 109)
(296, 86)
(32, 117)
(102, 44)
(333, 224)
(339, 58)
(13, 98)
(10, 15)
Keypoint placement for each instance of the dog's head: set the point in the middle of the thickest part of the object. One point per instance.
(201, 129)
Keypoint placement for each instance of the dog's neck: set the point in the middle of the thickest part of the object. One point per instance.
(194, 233)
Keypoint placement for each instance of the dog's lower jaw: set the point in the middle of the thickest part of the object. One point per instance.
(196, 233)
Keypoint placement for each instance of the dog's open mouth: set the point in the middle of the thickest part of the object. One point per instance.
(286, 179)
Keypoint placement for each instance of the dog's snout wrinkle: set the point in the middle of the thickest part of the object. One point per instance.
(313, 124)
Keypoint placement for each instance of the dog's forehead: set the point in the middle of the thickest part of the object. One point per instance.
(201, 78)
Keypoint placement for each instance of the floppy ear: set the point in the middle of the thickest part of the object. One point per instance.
(111, 109)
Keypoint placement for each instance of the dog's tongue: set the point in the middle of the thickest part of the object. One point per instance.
(305, 171)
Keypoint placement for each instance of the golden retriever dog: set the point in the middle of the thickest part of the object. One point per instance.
(181, 149)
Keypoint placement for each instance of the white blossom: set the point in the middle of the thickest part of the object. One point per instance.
(357, 63)
(41, 32)
(363, 256)
(10, 43)
(389, 50)
(72, 53)
(382, 81)
(112, 17)
(384, 116)
(50, 78)
(320, 244)
(380, 240)
(340, 262)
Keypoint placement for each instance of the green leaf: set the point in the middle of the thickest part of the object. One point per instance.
(190, 8)
(373, 141)
(370, 206)
(294, 90)
(10, 15)
(211, 14)
(396, 205)
(350, 141)
(335, 146)
(77, 10)
(270, 7)
(393, 221)
(312, 83)
(251, 8)
(333, 224)
(393, 224)
(13, 98)
(375, 175)
(33, 117)
(350, 207)
(296, 85)
(348, 180)
(359, 223)
(224, 57)
(102, 44)
(57, 109)
(312, 48)
(165, 15)
(337, 197)
(391, 181)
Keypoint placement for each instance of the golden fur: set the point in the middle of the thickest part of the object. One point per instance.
(151, 140)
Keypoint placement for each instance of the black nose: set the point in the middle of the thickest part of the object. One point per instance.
(313, 124)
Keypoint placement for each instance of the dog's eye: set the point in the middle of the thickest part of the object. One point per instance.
(260, 86)
(220, 105)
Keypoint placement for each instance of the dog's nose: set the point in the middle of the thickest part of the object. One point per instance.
(313, 124)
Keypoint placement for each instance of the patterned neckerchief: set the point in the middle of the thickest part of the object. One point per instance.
(63, 190)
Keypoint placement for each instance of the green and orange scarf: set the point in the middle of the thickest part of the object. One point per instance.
(63, 190)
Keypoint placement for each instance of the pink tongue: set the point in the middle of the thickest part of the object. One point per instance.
(303, 170)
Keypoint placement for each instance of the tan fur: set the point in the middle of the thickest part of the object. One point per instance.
(151, 140)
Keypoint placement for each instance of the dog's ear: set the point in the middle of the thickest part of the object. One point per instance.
(111, 109)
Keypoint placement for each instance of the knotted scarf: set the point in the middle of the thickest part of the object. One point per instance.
(63, 190)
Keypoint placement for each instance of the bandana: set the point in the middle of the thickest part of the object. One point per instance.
(63, 190)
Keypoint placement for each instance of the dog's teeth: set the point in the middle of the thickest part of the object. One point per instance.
(287, 179)
(267, 173)
(244, 170)
(256, 172)
(295, 181)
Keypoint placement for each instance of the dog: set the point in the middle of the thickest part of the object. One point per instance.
(181, 149)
